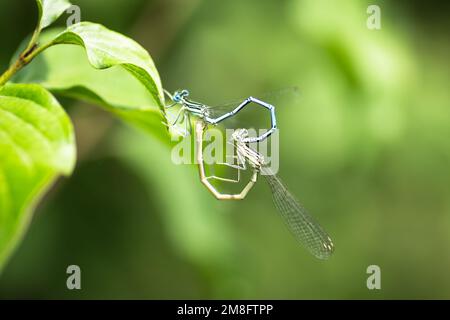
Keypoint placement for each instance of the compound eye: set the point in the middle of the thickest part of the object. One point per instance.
(176, 96)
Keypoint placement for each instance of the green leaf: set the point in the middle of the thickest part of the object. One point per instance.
(36, 145)
(124, 79)
(106, 49)
(50, 11)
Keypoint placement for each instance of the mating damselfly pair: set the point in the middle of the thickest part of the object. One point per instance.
(302, 225)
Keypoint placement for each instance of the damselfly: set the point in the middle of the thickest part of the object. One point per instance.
(302, 225)
(204, 112)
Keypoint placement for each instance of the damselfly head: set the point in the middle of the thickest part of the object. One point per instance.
(179, 95)
(239, 134)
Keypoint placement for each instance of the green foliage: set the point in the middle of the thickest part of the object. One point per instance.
(64, 70)
(49, 11)
(106, 49)
(36, 144)
(37, 140)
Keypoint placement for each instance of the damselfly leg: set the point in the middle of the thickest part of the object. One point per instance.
(238, 167)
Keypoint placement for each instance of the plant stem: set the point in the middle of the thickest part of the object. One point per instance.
(9, 73)
(24, 58)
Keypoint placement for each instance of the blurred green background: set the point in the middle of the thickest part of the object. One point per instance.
(365, 149)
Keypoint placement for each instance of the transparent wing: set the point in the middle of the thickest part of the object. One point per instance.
(217, 111)
(275, 97)
(304, 227)
(278, 98)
